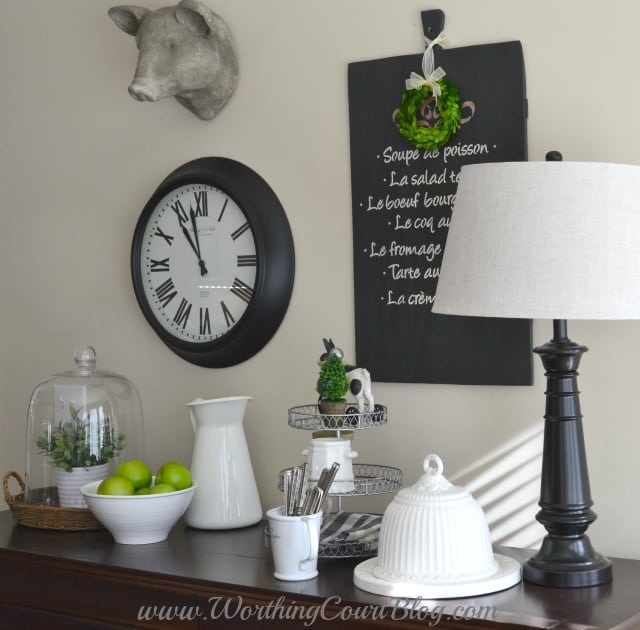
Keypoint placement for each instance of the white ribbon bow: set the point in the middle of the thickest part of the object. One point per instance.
(431, 76)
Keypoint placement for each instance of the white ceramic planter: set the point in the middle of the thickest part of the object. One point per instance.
(322, 452)
(69, 483)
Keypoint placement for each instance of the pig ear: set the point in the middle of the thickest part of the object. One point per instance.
(128, 17)
(196, 16)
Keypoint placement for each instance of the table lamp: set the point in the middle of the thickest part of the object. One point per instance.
(549, 240)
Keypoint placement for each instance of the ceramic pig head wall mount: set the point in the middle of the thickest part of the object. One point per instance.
(185, 51)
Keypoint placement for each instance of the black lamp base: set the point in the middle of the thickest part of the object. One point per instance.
(567, 563)
(566, 557)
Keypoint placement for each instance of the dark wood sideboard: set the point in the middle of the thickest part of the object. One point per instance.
(207, 579)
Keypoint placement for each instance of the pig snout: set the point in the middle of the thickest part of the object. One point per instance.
(143, 91)
(152, 82)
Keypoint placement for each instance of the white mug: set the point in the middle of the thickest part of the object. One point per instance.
(294, 542)
(322, 452)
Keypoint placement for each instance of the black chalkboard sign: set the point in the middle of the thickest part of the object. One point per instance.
(402, 199)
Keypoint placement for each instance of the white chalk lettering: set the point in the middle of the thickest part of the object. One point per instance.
(397, 203)
(464, 150)
(428, 179)
(419, 179)
(429, 251)
(404, 273)
(415, 223)
(392, 300)
(376, 253)
(406, 156)
(433, 201)
(403, 181)
(412, 299)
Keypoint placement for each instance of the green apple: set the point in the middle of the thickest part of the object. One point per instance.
(136, 471)
(174, 473)
(116, 485)
(161, 488)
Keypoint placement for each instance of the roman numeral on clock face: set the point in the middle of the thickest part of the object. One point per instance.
(228, 317)
(240, 231)
(202, 209)
(224, 207)
(178, 208)
(159, 265)
(205, 322)
(166, 292)
(182, 314)
(247, 260)
(168, 238)
(242, 290)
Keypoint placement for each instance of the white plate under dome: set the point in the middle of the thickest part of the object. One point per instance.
(507, 575)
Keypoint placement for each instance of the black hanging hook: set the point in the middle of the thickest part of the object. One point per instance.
(432, 22)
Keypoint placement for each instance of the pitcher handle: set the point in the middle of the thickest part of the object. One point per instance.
(314, 543)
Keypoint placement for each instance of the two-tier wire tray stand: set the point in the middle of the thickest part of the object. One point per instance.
(369, 479)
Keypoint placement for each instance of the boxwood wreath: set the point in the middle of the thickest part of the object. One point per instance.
(418, 90)
(448, 105)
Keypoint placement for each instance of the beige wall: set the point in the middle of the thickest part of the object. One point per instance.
(79, 158)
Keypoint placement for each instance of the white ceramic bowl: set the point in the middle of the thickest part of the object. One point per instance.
(138, 519)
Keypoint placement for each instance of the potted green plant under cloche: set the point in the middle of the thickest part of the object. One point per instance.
(332, 386)
(80, 449)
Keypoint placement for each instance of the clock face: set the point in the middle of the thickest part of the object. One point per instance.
(198, 263)
(212, 262)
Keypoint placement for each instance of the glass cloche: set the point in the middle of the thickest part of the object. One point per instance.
(81, 425)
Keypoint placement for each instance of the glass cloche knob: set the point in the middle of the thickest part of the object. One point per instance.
(85, 360)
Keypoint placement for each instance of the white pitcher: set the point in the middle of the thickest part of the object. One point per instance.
(227, 495)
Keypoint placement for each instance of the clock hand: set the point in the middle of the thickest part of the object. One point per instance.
(203, 268)
(189, 240)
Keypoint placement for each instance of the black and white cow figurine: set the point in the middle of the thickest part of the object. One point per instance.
(359, 378)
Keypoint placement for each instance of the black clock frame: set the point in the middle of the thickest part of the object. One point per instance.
(274, 273)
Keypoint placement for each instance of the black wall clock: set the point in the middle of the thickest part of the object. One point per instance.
(212, 262)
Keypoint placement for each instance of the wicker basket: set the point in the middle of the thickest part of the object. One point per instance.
(45, 516)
